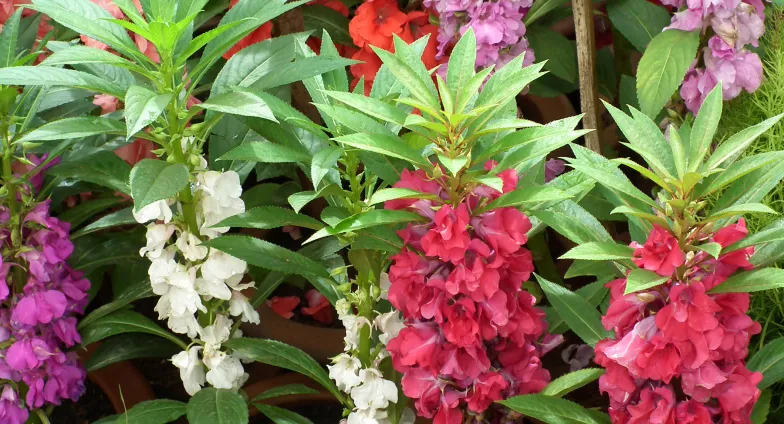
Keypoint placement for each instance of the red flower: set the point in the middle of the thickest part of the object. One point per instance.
(449, 413)
(374, 23)
(369, 67)
(461, 327)
(624, 312)
(660, 253)
(264, 32)
(692, 412)
(425, 387)
(133, 153)
(698, 383)
(738, 394)
(318, 307)
(504, 229)
(416, 181)
(463, 363)
(416, 345)
(407, 282)
(487, 389)
(656, 406)
(616, 381)
(449, 238)
(283, 306)
(689, 308)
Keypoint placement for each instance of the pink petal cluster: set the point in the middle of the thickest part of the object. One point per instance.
(38, 322)
(498, 26)
(726, 59)
(472, 335)
(679, 352)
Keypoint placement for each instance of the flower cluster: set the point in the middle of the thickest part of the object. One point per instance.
(38, 320)
(678, 353)
(375, 23)
(498, 26)
(193, 280)
(370, 392)
(472, 334)
(735, 25)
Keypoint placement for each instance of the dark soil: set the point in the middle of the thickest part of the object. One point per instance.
(319, 413)
(164, 378)
(92, 406)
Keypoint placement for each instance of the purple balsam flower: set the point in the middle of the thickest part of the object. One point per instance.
(11, 410)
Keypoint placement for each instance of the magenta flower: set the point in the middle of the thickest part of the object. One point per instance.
(11, 409)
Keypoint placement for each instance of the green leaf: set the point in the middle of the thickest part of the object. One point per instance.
(599, 251)
(736, 210)
(363, 220)
(286, 390)
(319, 18)
(130, 346)
(242, 103)
(114, 219)
(323, 161)
(266, 217)
(528, 141)
(462, 63)
(738, 170)
(453, 165)
(568, 383)
(752, 281)
(159, 411)
(573, 222)
(143, 107)
(303, 68)
(153, 180)
(103, 168)
(387, 194)
(638, 20)
(704, 128)
(759, 414)
(557, 50)
(420, 88)
(265, 152)
(370, 106)
(641, 279)
(581, 317)
(67, 128)
(123, 321)
(530, 197)
(217, 406)
(770, 362)
(281, 355)
(771, 252)
(385, 145)
(43, 75)
(9, 38)
(612, 181)
(83, 211)
(200, 41)
(299, 200)
(78, 54)
(282, 416)
(772, 233)
(268, 256)
(553, 410)
(594, 293)
(712, 248)
(730, 149)
(663, 66)
(541, 8)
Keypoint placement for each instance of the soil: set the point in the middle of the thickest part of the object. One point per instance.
(319, 413)
(164, 378)
(92, 406)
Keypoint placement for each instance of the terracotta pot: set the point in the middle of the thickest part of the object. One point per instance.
(318, 342)
(545, 109)
(289, 401)
(121, 382)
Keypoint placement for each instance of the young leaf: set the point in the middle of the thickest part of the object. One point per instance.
(581, 317)
(663, 66)
(268, 256)
(80, 127)
(641, 279)
(385, 145)
(266, 217)
(9, 38)
(387, 194)
(217, 406)
(281, 355)
(265, 152)
(638, 20)
(153, 180)
(242, 103)
(752, 281)
(159, 411)
(770, 362)
(568, 383)
(103, 168)
(554, 410)
(462, 63)
(143, 107)
(124, 321)
(705, 125)
(734, 146)
(599, 251)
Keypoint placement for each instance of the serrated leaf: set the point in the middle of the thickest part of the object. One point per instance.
(265, 152)
(453, 165)
(581, 317)
(143, 107)
(734, 146)
(153, 180)
(217, 406)
(385, 145)
(559, 52)
(554, 410)
(267, 217)
(43, 75)
(770, 362)
(67, 128)
(771, 233)
(9, 38)
(367, 219)
(713, 249)
(752, 281)
(103, 168)
(704, 128)
(323, 161)
(568, 383)
(299, 200)
(242, 103)
(641, 279)
(594, 293)
(663, 66)
(114, 219)
(599, 251)
(759, 414)
(318, 18)
(387, 194)
(267, 255)
(736, 210)
(529, 197)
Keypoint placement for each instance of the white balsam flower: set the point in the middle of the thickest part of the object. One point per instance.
(212, 288)
(221, 266)
(239, 306)
(216, 334)
(389, 325)
(191, 369)
(191, 247)
(220, 199)
(374, 392)
(345, 371)
(363, 416)
(159, 210)
(225, 372)
(353, 324)
(157, 236)
(384, 284)
(184, 324)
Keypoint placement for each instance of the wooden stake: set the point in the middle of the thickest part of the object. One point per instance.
(586, 59)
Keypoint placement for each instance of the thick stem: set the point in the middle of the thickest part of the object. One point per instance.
(185, 196)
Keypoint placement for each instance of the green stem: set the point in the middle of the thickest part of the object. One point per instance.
(14, 208)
